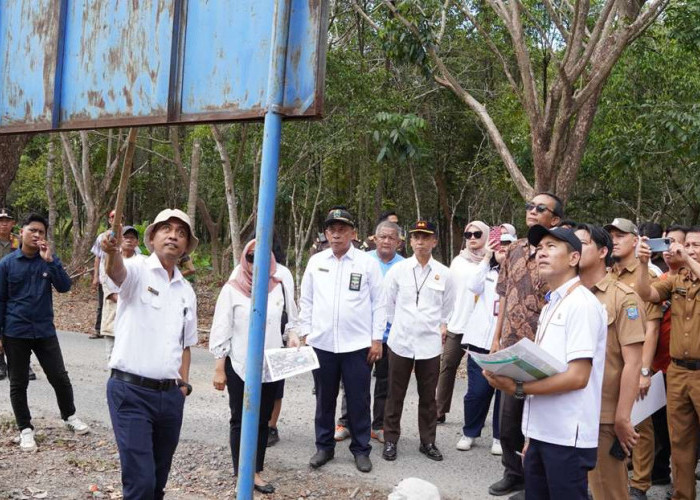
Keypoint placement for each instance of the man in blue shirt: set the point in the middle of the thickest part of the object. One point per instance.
(26, 325)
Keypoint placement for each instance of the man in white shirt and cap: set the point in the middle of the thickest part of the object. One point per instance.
(342, 316)
(420, 296)
(155, 325)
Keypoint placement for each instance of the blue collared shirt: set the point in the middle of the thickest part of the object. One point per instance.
(385, 266)
(26, 305)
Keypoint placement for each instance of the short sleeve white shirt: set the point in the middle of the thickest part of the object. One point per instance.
(419, 299)
(156, 319)
(570, 327)
(341, 308)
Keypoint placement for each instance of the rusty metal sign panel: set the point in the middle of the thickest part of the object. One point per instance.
(77, 64)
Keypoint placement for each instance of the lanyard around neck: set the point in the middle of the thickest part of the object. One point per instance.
(556, 306)
(419, 288)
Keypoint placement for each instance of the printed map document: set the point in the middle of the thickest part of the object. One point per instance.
(287, 362)
(653, 401)
(524, 361)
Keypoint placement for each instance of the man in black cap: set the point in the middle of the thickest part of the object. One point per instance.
(420, 295)
(562, 412)
(343, 317)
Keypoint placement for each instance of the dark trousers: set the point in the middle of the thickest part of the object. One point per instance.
(557, 472)
(236, 386)
(427, 374)
(100, 302)
(662, 445)
(48, 352)
(512, 439)
(146, 426)
(477, 400)
(352, 368)
(381, 386)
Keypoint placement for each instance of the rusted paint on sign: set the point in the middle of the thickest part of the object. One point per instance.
(137, 63)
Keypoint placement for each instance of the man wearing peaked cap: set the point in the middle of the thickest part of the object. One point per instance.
(155, 325)
(8, 243)
(420, 295)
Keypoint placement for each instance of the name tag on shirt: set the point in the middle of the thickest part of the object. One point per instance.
(355, 282)
(153, 291)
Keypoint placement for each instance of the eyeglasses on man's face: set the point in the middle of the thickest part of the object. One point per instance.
(540, 209)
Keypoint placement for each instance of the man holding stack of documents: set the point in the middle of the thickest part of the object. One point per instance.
(562, 411)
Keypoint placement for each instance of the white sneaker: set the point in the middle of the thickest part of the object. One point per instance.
(465, 443)
(26, 440)
(496, 447)
(76, 425)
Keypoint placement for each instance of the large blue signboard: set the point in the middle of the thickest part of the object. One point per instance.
(76, 64)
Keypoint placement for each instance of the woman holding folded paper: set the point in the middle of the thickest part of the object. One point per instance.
(229, 343)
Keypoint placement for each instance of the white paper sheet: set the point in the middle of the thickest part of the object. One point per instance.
(524, 361)
(287, 362)
(653, 401)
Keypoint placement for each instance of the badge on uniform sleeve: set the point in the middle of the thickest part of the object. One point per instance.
(355, 282)
(632, 312)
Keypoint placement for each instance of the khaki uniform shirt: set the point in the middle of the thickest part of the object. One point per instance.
(9, 246)
(626, 325)
(628, 275)
(682, 289)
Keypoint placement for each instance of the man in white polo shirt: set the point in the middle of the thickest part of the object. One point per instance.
(419, 295)
(562, 412)
(155, 325)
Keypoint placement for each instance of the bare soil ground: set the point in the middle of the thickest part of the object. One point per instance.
(69, 466)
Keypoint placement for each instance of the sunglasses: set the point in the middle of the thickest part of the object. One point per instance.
(541, 208)
(476, 234)
(505, 243)
(250, 257)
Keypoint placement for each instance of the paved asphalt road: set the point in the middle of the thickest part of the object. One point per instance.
(463, 475)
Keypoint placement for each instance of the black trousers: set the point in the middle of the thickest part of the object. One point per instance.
(100, 302)
(236, 386)
(512, 439)
(662, 444)
(48, 352)
(557, 472)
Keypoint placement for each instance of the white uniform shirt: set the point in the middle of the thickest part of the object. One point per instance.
(482, 322)
(465, 274)
(229, 329)
(156, 319)
(577, 329)
(415, 328)
(342, 301)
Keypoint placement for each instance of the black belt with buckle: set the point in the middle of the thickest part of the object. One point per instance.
(150, 383)
(690, 364)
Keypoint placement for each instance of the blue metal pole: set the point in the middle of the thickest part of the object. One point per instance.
(263, 231)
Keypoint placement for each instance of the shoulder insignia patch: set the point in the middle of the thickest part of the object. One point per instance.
(632, 312)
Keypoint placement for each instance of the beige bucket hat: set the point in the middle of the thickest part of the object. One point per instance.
(165, 215)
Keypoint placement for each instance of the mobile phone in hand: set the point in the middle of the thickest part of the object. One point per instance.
(617, 451)
(659, 244)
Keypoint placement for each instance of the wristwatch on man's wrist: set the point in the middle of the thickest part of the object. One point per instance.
(646, 372)
(519, 391)
(182, 383)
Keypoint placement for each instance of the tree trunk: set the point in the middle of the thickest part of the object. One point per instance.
(50, 195)
(11, 147)
(194, 180)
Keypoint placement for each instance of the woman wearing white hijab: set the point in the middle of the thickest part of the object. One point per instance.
(465, 270)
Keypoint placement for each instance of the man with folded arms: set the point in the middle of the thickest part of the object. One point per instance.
(155, 325)
(562, 412)
(420, 296)
(683, 375)
(623, 360)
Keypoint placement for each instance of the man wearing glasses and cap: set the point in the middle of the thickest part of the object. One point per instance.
(155, 325)
(420, 295)
(343, 317)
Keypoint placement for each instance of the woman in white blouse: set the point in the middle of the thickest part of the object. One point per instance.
(229, 343)
(478, 338)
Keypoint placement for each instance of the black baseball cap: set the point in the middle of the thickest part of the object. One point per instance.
(537, 232)
(423, 226)
(338, 215)
(130, 229)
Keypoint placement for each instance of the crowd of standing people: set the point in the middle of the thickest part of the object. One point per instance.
(595, 298)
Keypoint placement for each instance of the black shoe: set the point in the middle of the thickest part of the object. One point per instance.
(273, 436)
(430, 451)
(3, 367)
(321, 458)
(441, 420)
(661, 481)
(508, 484)
(518, 496)
(637, 494)
(390, 451)
(32, 375)
(265, 489)
(363, 463)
